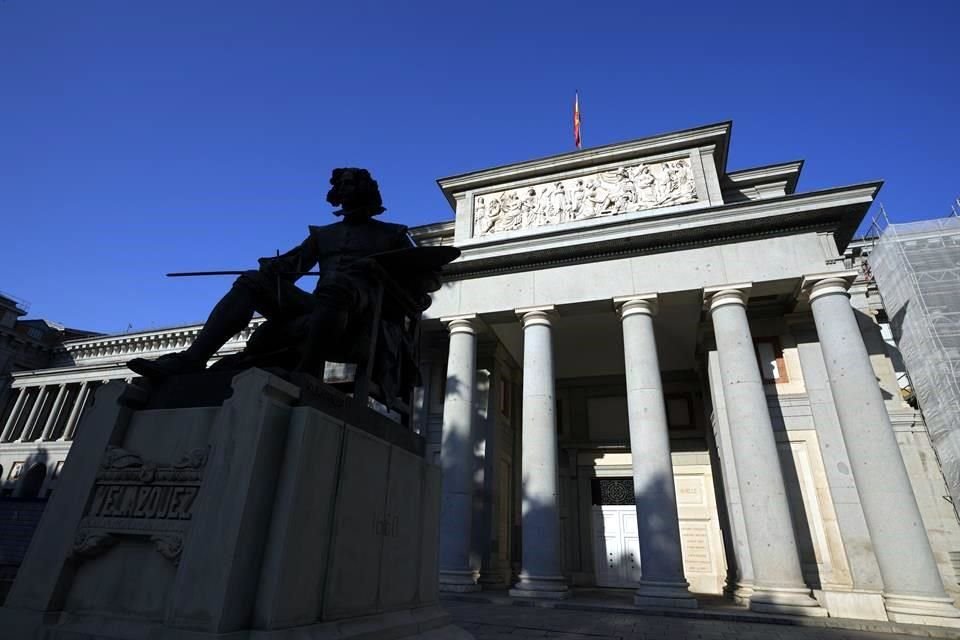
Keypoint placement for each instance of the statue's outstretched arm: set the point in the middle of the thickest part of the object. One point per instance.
(290, 265)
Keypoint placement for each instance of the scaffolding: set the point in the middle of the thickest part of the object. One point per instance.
(917, 269)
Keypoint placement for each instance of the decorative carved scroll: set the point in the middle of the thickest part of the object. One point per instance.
(605, 193)
(88, 544)
(169, 546)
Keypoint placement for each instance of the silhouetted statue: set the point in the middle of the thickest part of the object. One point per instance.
(373, 282)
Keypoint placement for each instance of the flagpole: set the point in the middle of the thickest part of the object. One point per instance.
(576, 120)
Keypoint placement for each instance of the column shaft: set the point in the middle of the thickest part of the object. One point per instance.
(778, 580)
(14, 414)
(54, 411)
(741, 586)
(662, 581)
(542, 573)
(912, 583)
(71, 426)
(457, 459)
(31, 422)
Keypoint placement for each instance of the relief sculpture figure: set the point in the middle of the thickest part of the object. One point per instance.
(607, 192)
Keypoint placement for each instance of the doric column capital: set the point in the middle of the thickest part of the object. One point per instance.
(542, 315)
(466, 323)
(647, 304)
(717, 296)
(820, 284)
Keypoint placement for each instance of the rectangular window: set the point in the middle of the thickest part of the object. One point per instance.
(770, 357)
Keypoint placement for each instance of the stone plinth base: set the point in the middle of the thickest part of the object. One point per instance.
(937, 612)
(852, 604)
(251, 507)
(784, 601)
(458, 582)
(543, 587)
(666, 595)
(542, 595)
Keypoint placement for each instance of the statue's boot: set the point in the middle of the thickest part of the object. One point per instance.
(228, 318)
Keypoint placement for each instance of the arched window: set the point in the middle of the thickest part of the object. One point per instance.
(33, 480)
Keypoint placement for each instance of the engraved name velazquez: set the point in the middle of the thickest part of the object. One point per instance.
(136, 497)
(129, 487)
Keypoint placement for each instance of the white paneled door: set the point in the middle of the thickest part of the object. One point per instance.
(616, 546)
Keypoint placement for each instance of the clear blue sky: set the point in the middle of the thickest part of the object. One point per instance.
(140, 137)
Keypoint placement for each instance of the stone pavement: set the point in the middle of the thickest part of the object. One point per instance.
(500, 620)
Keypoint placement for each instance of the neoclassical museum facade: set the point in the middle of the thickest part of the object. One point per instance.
(646, 371)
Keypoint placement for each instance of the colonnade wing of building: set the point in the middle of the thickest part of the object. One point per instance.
(645, 371)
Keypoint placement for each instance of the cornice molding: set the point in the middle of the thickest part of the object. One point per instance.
(120, 348)
(787, 171)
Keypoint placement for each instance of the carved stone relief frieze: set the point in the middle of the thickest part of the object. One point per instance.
(614, 191)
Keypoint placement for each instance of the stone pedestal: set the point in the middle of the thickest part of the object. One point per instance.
(249, 507)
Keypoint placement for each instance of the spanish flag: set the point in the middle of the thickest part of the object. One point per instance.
(576, 119)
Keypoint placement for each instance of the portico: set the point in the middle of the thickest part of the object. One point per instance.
(646, 420)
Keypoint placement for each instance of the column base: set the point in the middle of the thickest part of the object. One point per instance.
(542, 587)
(742, 592)
(669, 595)
(789, 601)
(933, 611)
(458, 582)
(497, 576)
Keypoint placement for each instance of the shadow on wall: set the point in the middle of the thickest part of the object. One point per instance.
(874, 342)
(454, 443)
(20, 512)
(26, 479)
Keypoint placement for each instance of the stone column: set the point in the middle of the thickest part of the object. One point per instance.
(741, 586)
(54, 410)
(457, 458)
(778, 581)
(71, 426)
(662, 583)
(865, 601)
(14, 414)
(541, 575)
(34, 413)
(913, 589)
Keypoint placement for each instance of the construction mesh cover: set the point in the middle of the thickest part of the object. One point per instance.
(917, 269)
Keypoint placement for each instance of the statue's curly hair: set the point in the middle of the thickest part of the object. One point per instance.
(367, 193)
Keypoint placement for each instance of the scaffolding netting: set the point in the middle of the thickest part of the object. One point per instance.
(917, 269)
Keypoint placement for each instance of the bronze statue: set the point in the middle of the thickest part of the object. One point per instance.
(373, 284)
